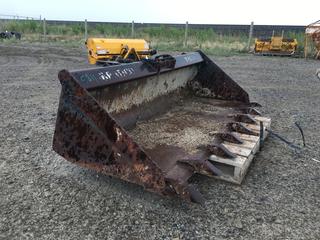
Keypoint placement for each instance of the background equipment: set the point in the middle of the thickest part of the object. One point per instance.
(10, 34)
(275, 46)
(312, 39)
(103, 51)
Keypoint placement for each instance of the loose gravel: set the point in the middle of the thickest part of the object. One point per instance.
(45, 197)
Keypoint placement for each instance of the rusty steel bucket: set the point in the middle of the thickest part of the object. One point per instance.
(155, 123)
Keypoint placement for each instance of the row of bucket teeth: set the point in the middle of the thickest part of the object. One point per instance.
(246, 123)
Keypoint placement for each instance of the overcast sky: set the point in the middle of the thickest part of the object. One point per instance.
(281, 12)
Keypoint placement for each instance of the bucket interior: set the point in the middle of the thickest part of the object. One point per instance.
(166, 116)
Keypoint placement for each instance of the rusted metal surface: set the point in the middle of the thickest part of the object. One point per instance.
(219, 83)
(313, 31)
(149, 126)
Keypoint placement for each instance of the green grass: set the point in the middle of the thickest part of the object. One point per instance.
(162, 38)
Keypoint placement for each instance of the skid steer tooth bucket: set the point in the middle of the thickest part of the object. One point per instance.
(157, 125)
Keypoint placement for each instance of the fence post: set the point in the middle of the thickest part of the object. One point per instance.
(305, 46)
(250, 36)
(132, 29)
(85, 29)
(185, 35)
(44, 29)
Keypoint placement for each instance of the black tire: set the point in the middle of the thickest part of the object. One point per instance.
(17, 35)
(9, 35)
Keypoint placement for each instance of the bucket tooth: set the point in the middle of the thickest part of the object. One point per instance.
(202, 166)
(229, 137)
(195, 195)
(255, 104)
(185, 190)
(251, 111)
(220, 150)
(246, 118)
(241, 128)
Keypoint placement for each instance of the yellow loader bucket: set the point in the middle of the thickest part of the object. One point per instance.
(157, 122)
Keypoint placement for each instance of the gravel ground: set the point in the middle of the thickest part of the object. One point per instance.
(45, 197)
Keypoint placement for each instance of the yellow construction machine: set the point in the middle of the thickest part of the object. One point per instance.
(275, 46)
(104, 51)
